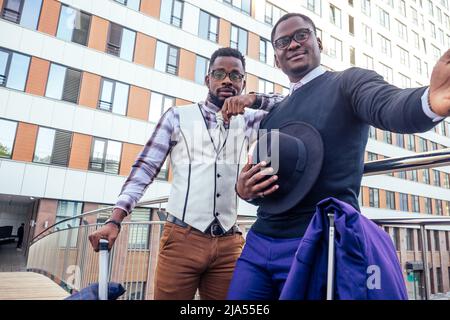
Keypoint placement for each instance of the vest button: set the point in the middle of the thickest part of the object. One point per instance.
(216, 214)
(218, 195)
(218, 175)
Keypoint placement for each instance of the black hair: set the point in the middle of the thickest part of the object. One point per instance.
(226, 52)
(290, 15)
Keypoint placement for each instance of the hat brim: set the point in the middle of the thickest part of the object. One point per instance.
(312, 140)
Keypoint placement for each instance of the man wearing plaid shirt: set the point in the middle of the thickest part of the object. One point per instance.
(200, 242)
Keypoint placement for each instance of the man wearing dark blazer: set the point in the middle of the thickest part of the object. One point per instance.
(341, 106)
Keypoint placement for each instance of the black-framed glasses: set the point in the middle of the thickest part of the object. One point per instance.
(300, 36)
(234, 76)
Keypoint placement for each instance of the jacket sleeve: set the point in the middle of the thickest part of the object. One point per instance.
(383, 105)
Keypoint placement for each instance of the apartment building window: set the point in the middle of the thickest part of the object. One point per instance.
(430, 8)
(423, 146)
(399, 140)
(427, 73)
(414, 16)
(417, 65)
(265, 86)
(352, 56)
(436, 178)
(371, 156)
(167, 57)
(7, 137)
(266, 53)
(335, 16)
(385, 46)
(387, 137)
(366, 7)
(73, 25)
(65, 210)
(13, 69)
(437, 244)
(139, 234)
(402, 31)
(314, 6)
(410, 239)
(428, 208)
(52, 147)
(159, 104)
(404, 202)
(386, 72)
(402, 175)
(432, 30)
(396, 238)
(438, 205)
(402, 8)
(172, 12)
(239, 39)
(335, 48)
(439, 14)
(121, 42)
(440, 284)
(114, 96)
(390, 200)
(63, 83)
(426, 176)
(374, 199)
(383, 18)
(24, 12)
(415, 203)
(446, 21)
(105, 155)
(436, 52)
(201, 69)
(208, 27)
(242, 5)
(410, 142)
(273, 13)
(414, 176)
(416, 40)
(132, 4)
(367, 33)
(447, 180)
(405, 82)
(368, 63)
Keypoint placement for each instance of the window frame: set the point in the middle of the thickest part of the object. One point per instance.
(105, 152)
(14, 138)
(50, 163)
(80, 12)
(65, 77)
(8, 68)
(114, 82)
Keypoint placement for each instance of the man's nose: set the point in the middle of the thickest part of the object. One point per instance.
(226, 80)
(293, 44)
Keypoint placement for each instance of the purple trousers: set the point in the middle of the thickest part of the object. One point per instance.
(262, 268)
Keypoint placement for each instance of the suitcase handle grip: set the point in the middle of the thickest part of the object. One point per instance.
(103, 265)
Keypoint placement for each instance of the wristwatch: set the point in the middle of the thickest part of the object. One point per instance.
(113, 222)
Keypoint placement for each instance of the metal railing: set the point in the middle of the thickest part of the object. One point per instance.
(66, 255)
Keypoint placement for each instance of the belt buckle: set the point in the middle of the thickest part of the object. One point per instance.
(215, 226)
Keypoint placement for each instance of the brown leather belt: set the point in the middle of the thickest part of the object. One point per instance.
(214, 230)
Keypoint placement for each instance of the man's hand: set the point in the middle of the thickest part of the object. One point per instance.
(439, 94)
(235, 105)
(109, 231)
(249, 184)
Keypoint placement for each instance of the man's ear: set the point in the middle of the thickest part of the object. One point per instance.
(277, 63)
(243, 86)
(320, 44)
(207, 80)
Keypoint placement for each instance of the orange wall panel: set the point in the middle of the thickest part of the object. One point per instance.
(37, 76)
(98, 33)
(253, 46)
(145, 50)
(80, 152)
(365, 192)
(151, 7)
(181, 102)
(278, 88)
(224, 33)
(129, 155)
(25, 142)
(90, 90)
(138, 103)
(48, 21)
(382, 195)
(252, 83)
(187, 65)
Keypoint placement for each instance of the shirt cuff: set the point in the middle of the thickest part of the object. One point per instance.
(427, 109)
(125, 203)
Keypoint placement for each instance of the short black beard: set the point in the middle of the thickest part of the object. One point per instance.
(215, 100)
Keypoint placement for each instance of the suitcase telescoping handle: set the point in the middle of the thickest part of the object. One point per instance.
(330, 272)
(103, 265)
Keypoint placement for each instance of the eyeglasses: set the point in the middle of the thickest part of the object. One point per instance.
(234, 76)
(300, 36)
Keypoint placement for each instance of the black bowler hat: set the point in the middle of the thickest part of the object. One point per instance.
(299, 160)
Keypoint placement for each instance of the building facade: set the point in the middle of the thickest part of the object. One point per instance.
(83, 84)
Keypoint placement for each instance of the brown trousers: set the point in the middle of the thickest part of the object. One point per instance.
(189, 260)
